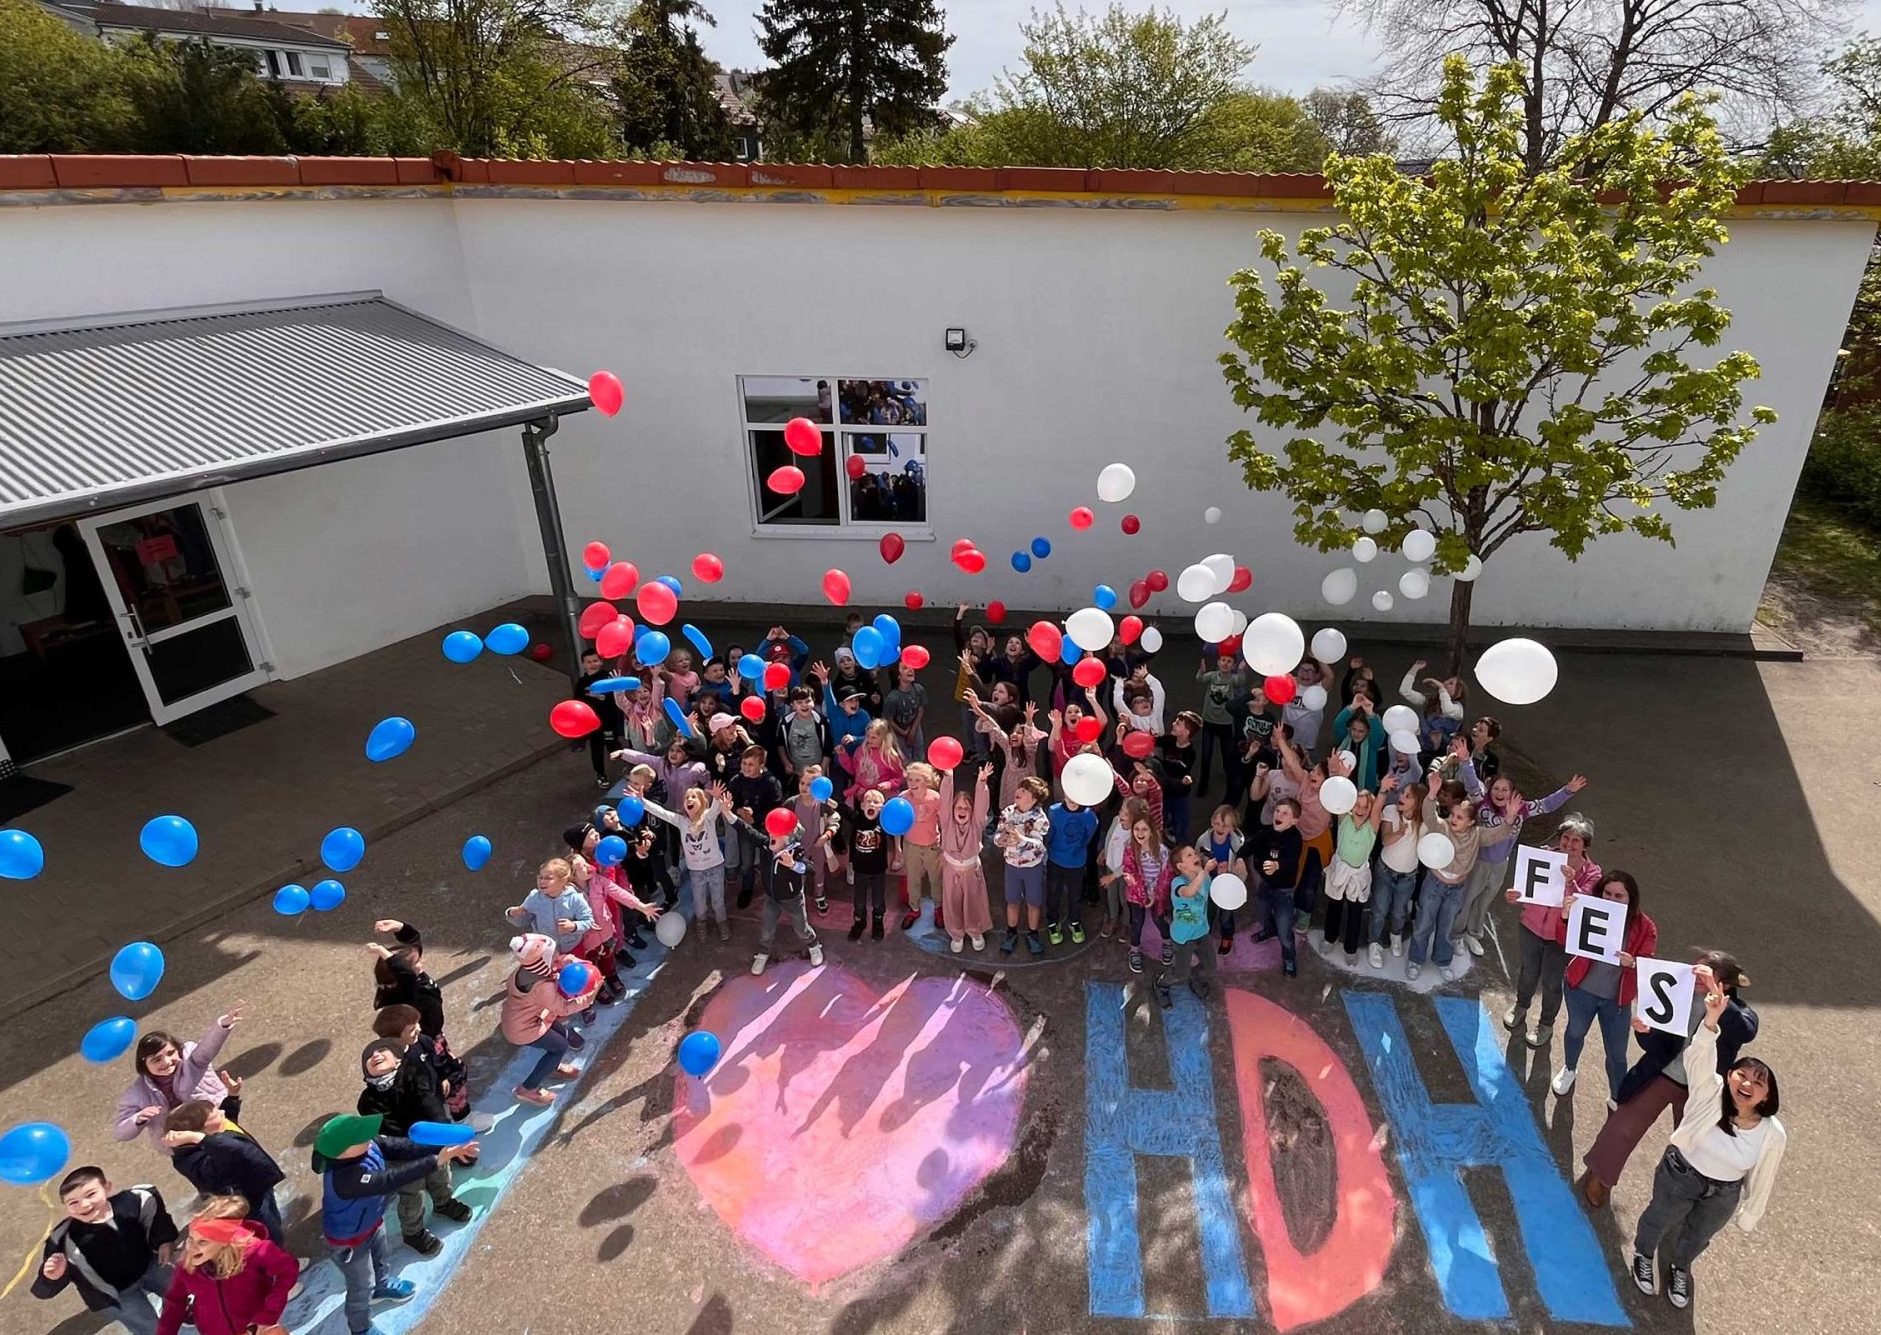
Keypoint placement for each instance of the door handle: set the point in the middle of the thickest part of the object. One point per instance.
(137, 626)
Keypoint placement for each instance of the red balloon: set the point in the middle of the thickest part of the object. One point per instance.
(1157, 581)
(995, 611)
(1046, 639)
(1279, 689)
(620, 579)
(781, 822)
(595, 556)
(707, 568)
(573, 718)
(1139, 594)
(1088, 672)
(1130, 628)
(836, 587)
(855, 467)
(1082, 518)
(615, 638)
(1131, 524)
(914, 601)
(657, 603)
(752, 707)
(892, 547)
(944, 752)
(541, 653)
(1138, 744)
(604, 388)
(960, 545)
(803, 436)
(593, 617)
(1243, 577)
(1230, 646)
(785, 481)
(1088, 729)
(915, 656)
(776, 676)
(973, 562)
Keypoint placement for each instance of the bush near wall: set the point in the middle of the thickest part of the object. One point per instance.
(1844, 464)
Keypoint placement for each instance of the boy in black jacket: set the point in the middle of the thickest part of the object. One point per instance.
(605, 739)
(113, 1246)
(1274, 855)
(783, 870)
(218, 1158)
(754, 793)
(402, 1085)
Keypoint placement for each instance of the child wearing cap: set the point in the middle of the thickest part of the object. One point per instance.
(113, 1246)
(536, 1014)
(359, 1168)
(232, 1279)
(403, 1086)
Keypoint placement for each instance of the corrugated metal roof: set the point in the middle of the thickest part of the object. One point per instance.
(140, 407)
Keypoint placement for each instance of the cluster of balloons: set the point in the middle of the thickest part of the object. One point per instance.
(1340, 586)
(1212, 576)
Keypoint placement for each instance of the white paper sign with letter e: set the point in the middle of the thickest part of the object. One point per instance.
(1596, 928)
(1540, 876)
(1665, 995)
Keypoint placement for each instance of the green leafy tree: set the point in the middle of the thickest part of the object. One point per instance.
(60, 90)
(842, 67)
(1348, 122)
(1522, 352)
(664, 88)
(191, 97)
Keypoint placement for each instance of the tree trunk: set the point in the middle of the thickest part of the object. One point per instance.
(1461, 591)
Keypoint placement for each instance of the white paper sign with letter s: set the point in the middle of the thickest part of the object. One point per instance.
(1540, 876)
(1596, 928)
(1665, 995)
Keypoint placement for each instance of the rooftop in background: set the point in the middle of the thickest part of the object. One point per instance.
(364, 33)
(208, 23)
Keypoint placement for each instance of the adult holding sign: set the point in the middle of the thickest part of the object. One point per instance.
(1722, 1160)
(1544, 930)
(1657, 1080)
(1603, 991)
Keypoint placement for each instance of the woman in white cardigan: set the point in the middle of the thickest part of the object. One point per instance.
(1721, 1162)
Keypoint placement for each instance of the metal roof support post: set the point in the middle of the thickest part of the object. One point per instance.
(554, 545)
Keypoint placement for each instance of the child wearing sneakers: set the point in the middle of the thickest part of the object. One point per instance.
(699, 846)
(1188, 927)
(1067, 851)
(817, 819)
(1275, 855)
(1220, 851)
(781, 874)
(867, 845)
(920, 847)
(963, 875)
(1023, 830)
(537, 1015)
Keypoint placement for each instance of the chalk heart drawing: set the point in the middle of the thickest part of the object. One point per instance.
(840, 1124)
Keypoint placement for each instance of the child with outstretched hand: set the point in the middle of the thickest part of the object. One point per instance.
(555, 908)
(1188, 928)
(964, 906)
(112, 1246)
(169, 1072)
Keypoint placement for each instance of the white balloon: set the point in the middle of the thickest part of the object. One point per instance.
(1088, 780)
(1420, 544)
(1222, 565)
(1404, 741)
(1340, 586)
(1414, 583)
(1197, 584)
(1338, 796)
(1115, 483)
(1364, 550)
(1313, 697)
(1375, 521)
(1240, 621)
(1401, 718)
(1212, 515)
(1214, 623)
(1090, 629)
(1227, 890)
(671, 929)
(1274, 644)
(1151, 640)
(1471, 569)
(1382, 600)
(1435, 850)
(1517, 671)
(1328, 645)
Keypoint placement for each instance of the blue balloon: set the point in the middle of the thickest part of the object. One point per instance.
(476, 852)
(611, 851)
(631, 811)
(672, 583)
(867, 647)
(109, 1039)
(678, 716)
(821, 788)
(1069, 652)
(32, 1152)
(698, 1052)
(897, 816)
(461, 646)
(326, 896)
(699, 642)
(594, 574)
(390, 737)
(342, 849)
(608, 685)
(751, 667)
(508, 638)
(575, 978)
(136, 970)
(889, 627)
(21, 857)
(1104, 597)
(1041, 548)
(653, 648)
(169, 841)
(1021, 562)
(440, 1134)
(290, 901)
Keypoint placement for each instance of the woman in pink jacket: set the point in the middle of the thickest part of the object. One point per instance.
(170, 1072)
(536, 1014)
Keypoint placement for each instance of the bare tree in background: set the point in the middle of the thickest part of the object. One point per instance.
(1585, 62)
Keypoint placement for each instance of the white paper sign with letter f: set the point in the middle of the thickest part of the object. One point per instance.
(1540, 876)
(1596, 928)
(1665, 995)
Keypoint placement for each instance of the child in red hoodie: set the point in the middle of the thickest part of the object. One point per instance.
(230, 1279)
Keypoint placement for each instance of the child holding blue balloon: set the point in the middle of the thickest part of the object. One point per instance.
(537, 1015)
(782, 874)
(819, 815)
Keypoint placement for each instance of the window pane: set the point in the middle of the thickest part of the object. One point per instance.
(293, 62)
(165, 566)
(192, 662)
(778, 398)
(893, 484)
(884, 402)
(816, 503)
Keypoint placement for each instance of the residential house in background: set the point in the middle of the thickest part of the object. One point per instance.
(369, 44)
(298, 56)
(734, 90)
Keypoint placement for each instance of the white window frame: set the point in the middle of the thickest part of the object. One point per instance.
(319, 67)
(295, 66)
(846, 528)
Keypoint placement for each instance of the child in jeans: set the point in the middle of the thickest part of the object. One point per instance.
(1069, 848)
(782, 875)
(754, 793)
(537, 1015)
(1274, 854)
(1188, 927)
(1401, 826)
(113, 1246)
(1449, 811)
(699, 845)
(963, 875)
(1023, 829)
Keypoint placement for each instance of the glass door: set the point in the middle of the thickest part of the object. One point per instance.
(165, 572)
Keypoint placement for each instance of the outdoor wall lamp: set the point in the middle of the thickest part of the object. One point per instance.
(959, 344)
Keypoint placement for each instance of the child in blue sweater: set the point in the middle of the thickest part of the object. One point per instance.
(1067, 849)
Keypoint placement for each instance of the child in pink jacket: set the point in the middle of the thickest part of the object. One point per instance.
(171, 1072)
(964, 906)
(536, 1014)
